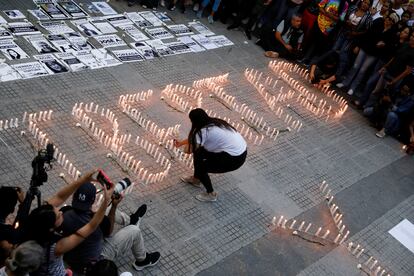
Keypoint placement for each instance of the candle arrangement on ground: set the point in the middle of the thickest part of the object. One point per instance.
(181, 98)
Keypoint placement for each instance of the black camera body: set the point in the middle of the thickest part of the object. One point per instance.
(44, 156)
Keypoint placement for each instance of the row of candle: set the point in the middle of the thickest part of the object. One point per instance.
(40, 137)
(177, 102)
(12, 123)
(243, 129)
(202, 83)
(152, 150)
(253, 77)
(371, 266)
(183, 157)
(182, 89)
(137, 97)
(41, 116)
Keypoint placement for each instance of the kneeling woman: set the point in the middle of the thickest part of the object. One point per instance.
(217, 148)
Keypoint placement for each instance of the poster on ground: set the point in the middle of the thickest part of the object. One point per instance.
(200, 28)
(221, 41)
(14, 14)
(22, 28)
(134, 32)
(180, 30)
(86, 27)
(41, 44)
(129, 55)
(104, 8)
(71, 61)
(2, 20)
(151, 18)
(160, 48)
(111, 40)
(163, 16)
(60, 43)
(71, 8)
(191, 43)
(52, 9)
(204, 41)
(159, 33)
(78, 41)
(144, 49)
(11, 50)
(51, 64)
(88, 59)
(104, 27)
(178, 47)
(5, 34)
(118, 20)
(56, 27)
(105, 58)
(30, 69)
(7, 73)
(138, 20)
(39, 14)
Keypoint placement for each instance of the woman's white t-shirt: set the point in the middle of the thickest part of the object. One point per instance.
(216, 139)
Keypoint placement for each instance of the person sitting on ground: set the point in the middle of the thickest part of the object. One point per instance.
(100, 244)
(105, 268)
(24, 259)
(323, 69)
(42, 223)
(286, 41)
(217, 148)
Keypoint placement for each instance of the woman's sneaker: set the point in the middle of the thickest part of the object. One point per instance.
(207, 197)
(340, 85)
(350, 92)
(151, 259)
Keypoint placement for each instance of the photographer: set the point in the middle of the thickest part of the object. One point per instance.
(9, 196)
(100, 244)
(44, 220)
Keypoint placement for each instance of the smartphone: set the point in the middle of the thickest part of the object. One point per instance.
(104, 179)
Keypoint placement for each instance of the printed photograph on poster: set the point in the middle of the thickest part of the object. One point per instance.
(138, 20)
(129, 55)
(72, 8)
(178, 47)
(151, 18)
(22, 28)
(200, 28)
(92, 9)
(14, 14)
(51, 64)
(7, 73)
(56, 27)
(11, 50)
(191, 43)
(104, 8)
(51, 9)
(30, 69)
(118, 20)
(71, 61)
(104, 27)
(159, 33)
(204, 41)
(163, 16)
(111, 40)
(2, 20)
(41, 44)
(134, 33)
(221, 41)
(105, 58)
(88, 59)
(180, 29)
(159, 47)
(60, 43)
(86, 28)
(144, 49)
(78, 41)
(5, 34)
(39, 14)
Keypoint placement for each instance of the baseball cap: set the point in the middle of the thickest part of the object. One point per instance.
(84, 197)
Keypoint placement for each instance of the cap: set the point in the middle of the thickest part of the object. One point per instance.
(84, 197)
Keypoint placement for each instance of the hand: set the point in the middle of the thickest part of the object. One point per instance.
(116, 199)
(373, 10)
(20, 194)
(108, 193)
(312, 76)
(88, 177)
(356, 50)
(381, 71)
(322, 82)
(177, 143)
(289, 48)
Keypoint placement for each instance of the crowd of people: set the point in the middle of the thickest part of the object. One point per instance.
(363, 47)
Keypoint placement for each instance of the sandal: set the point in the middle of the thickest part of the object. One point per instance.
(192, 181)
(271, 54)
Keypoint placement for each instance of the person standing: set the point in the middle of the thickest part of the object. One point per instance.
(217, 148)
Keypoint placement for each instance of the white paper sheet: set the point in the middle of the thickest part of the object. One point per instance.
(404, 233)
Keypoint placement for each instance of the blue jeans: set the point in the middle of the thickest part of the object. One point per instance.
(361, 65)
(376, 94)
(215, 5)
(392, 123)
(372, 81)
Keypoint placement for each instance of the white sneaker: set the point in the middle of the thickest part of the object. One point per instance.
(381, 133)
(340, 85)
(350, 92)
(207, 197)
(196, 7)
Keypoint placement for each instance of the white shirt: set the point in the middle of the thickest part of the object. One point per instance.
(3, 271)
(216, 139)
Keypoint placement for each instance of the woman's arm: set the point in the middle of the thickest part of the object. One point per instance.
(63, 194)
(68, 243)
(187, 148)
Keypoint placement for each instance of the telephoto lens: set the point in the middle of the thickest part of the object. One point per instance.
(122, 185)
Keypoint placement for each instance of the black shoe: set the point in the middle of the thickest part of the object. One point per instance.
(139, 213)
(151, 259)
(233, 26)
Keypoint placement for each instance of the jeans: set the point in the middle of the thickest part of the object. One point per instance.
(376, 94)
(362, 63)
(372, 81)
(210, 162)
(392, 123)
(285, 12)
(127, 238)
(215, 5)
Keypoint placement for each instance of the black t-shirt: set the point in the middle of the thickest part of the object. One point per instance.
(403, 57)
(8, 233)
(91, 248)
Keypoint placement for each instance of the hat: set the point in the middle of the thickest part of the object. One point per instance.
(84, 197)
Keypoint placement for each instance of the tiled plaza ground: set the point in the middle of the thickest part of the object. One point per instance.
(279, 177)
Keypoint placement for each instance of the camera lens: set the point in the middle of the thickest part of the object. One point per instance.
(122, 185)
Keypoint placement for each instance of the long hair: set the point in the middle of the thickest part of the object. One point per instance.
(40, 224)
(200, 119)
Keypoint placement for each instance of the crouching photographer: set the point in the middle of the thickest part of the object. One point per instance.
(101, 244)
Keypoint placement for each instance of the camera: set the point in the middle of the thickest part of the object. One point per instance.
(119, 187)
(44, 156)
